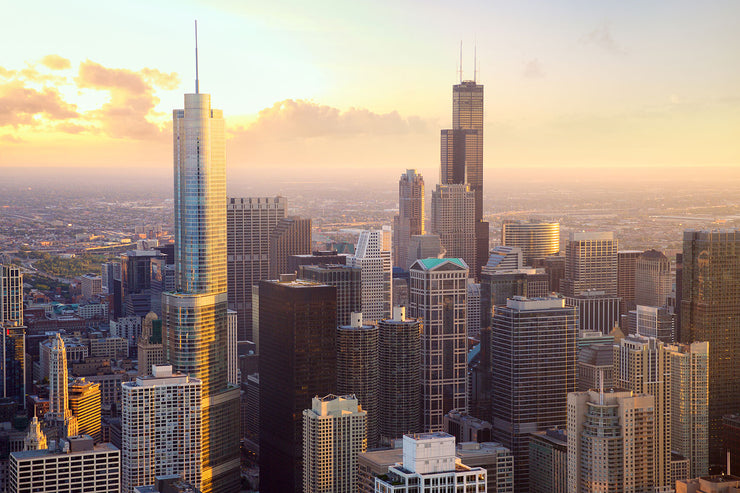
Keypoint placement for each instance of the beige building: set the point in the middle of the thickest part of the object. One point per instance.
(334, 434)
(453, 220)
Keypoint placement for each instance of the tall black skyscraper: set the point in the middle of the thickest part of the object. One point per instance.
(298, 361)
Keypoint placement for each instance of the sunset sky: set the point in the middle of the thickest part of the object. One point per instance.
(364, 87)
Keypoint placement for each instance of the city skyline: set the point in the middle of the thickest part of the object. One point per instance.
(568, 85)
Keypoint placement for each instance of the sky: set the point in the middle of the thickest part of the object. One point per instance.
(362, 89)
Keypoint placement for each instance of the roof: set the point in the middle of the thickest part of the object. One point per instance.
(432, 263)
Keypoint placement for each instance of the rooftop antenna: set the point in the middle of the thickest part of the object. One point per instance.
(475, 61)
(461, 70)
(196, 57)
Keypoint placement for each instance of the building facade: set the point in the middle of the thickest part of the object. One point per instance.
(410, 218)
(453, 220)
(590, 264)
(373, 257)
(347, 280)
(536, 239)
(437, 295)
(653, 279)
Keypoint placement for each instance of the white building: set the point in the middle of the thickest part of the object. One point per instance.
(128, 328)
(438, 289)
(334, 434)
(59, 413)
(430, 465)
(74, 464)
(473, 308)
(373, 257)
(161, 428)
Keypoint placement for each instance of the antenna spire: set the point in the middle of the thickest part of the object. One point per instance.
(461, 70)
(196, 57)
(475, 61)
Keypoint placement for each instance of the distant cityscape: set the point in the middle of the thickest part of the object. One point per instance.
(473, 336)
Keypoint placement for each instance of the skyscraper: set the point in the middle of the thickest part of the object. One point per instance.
(710, 311)
(298, 361)
(161, 428)
(291, 236)
(453, 220)
(357, 369)
(347, 280)
(59, 414)
(194, 316)
(373, 257)
(590, 264)
(84, 401)
(437, 294)
(410, 218)
(689, 399)
(611, 439)
(653, 280)
(533, 347)
(626, 266)
(643, 365)
(462, 155)
(333, 436)
(399, 357)
(249, 223)
(536, 239)
(11, 295)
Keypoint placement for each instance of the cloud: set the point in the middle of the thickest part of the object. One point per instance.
(602, 37)
(132, 98)
(11, 139)
(56, 62)
(533, 69)
(19, 105)
(299, 119)
(72, 128)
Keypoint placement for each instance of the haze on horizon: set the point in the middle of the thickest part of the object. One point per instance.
(330, 91)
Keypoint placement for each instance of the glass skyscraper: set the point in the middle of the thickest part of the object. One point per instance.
(194, 316)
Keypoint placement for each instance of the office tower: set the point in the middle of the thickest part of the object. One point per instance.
(548, 462)
(595, 367)
(479, 376)
(298, 360)
(611, 439)
(59, 414)
(462, 156)
(590, 264)
(250, 222)
(533, 345)
(317, 257)
(504, 258)
(136, 279)
(347, 280)
(109, 272)
(710, 311)
(652, 321)
(11, 295)
(437, 295)
(453, 219)
(643, 365)
(291, 236)
(75, 464)
(373, 257)
(689, 410)
(626, 268)
(399, 357)
(499, 285)
(597, 310)
(128, 328)
(472, 309)
(161, 428)
(653, 282)
(555, 269)
(90, 286)
(35, 439)
(194, 316)
(410, 218)
(494, 458)
(150, 350)
(14, 362)
(357, 369)
(427, 456)
(536, 239)
(84, 402)
(467, 428)
(333, 436)
(162, 280)
(424, 246)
